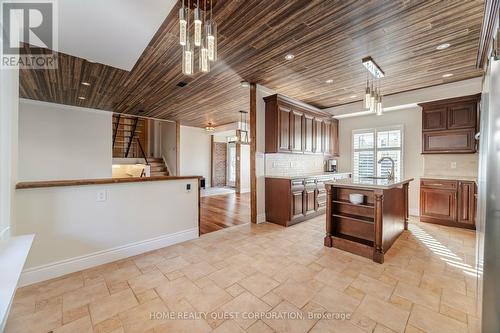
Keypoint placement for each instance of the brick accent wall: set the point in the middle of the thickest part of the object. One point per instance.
(219, 164)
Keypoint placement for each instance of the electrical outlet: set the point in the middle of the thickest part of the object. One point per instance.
(101, 196)
(275, 165)
(453, 165)
(188, 187)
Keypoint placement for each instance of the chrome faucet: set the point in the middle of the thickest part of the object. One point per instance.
(390, 175)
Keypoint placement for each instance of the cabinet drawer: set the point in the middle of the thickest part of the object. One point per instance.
(449, 141)
(439, 184)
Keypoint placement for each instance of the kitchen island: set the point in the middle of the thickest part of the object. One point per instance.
(370, 228)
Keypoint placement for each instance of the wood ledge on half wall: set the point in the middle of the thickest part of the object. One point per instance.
(82, 182)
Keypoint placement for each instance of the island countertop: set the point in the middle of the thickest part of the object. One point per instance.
(370, 183)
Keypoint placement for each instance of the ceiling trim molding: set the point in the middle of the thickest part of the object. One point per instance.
(490, 24)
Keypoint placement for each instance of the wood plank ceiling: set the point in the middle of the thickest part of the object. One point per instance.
(327, 38)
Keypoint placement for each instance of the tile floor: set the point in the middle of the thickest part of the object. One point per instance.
(263, 278)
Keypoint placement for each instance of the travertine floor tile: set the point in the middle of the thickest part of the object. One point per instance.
(258, 284)
(418, 295)
(83, 296)
(373, 286)
(297, 322)
(139, 319)
(433, 322)
(297, 293)
(149, 280)
(384, 313)
(109, 306)
(245, 303)
(226, 277)
(82, 325)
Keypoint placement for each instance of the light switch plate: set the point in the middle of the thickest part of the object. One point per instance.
(101, 196)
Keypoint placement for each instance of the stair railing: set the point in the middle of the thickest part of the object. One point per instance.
(132, 135)
(142, 151)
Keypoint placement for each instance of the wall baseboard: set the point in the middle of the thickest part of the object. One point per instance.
(63, 267)
(414, 211)
(261, 218)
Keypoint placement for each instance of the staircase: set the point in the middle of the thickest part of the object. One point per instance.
(158, 167)
(128, 135)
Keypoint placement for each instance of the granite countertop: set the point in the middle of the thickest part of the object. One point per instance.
(370, 183)
(311, 175)
(466, 178)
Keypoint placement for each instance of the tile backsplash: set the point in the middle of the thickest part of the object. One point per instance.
(465, 165)
(293, 164)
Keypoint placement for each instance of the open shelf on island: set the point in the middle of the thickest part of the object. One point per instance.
(358, 218)
(347, 202)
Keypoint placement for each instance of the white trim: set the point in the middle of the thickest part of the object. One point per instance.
(261, 218)
(414, 212)
(63, 267)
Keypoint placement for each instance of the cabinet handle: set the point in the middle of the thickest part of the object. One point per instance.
(436, 184)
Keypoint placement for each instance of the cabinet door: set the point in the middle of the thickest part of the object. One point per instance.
(462, 115)
(318, 136)
(284, 128)
(297, 131)
(439, 204)
(307, 140)
(450, 141)
(434, 119)
(466, 202)
(335, 137)
(297, 204)
(310, 200)
(327, 126)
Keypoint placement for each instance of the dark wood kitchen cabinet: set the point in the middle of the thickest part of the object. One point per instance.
(449, 126)
(448, 202)
(295, 127)
(293, 200)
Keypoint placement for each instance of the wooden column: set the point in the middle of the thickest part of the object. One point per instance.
(177, 148)
(378, 252)
(212, 160)
(406, 205)
(253, 149)
(328, 218)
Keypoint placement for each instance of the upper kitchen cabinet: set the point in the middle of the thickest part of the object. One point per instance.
(295, 127)
(449, 126)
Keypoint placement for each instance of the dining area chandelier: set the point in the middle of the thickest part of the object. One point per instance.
(203, 40)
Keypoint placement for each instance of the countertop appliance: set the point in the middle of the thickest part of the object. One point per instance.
(331, 165)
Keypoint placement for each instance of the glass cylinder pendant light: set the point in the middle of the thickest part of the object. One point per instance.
(367, 95)
(187, 59)
(182, 25)
(373, 98)
(380, 111)
(204, 62)
(211, 33)
(197, 25)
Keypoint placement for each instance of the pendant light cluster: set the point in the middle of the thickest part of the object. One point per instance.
(373, 96)
(204, 38)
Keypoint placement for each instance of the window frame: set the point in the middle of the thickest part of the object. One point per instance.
(375, 149)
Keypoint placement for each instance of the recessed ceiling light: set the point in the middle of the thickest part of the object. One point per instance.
(447, 75)
(244, 84)
(85, 83)
(289, 56)
(81, 97)
(353, 96)
(443, 46)
(329, 81)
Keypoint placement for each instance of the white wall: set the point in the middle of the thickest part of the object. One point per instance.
(75, 231)
(63, 142)
(411, 119)
(245, 169)
(169, 144)
(9, 101)
(195, 153)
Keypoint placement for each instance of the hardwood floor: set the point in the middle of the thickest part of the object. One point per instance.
(223, 211)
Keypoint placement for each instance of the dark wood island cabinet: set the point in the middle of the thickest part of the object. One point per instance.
(370, 228)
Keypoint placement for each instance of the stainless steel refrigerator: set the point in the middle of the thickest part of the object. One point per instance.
(488, 215)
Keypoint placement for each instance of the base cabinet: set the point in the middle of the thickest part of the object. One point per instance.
(448, 202)
(290, 201)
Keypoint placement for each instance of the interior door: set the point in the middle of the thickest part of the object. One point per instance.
(231, 164)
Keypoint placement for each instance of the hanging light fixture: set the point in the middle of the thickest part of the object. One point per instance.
(187, 52)
(373, 96)
(204, 62)
(211, 33)
(197, 25)
(243, 127)
(182, 25)
(209, 128)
